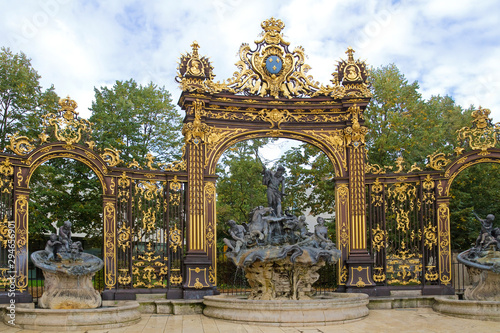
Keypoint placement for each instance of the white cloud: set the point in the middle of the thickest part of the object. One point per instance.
(450, 48)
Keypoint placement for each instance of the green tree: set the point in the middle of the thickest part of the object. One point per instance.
(239, 186)
(137, 119)
(23, 102)
(310, 183)
(402, 123)
(475, 189)
(65, 189)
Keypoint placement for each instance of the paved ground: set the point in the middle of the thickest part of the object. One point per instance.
(397, 321)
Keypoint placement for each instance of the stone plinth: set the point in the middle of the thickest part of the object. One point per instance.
(324, 310)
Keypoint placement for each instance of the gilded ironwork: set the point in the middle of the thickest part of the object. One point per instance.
(378, 240)
(272, 70)
(437, 161)
(20, 145)
(483, 134)
(111, 156)
(379, 275)
(175, 238)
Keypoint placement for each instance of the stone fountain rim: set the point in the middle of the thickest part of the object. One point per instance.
(471, 263)
(52, 320)
(53, 268)
(324, 298)
(335, 308)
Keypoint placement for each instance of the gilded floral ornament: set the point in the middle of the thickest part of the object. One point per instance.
(355, 134)
(483, 134)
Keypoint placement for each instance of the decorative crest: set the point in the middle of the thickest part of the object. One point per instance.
(68, 127)
(483, 134)
(272, 70)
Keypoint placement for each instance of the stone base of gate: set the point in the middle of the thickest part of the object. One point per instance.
(108, 316)
(334, 308)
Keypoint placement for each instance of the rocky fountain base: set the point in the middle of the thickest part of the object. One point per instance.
(281, 259)
(482, 298)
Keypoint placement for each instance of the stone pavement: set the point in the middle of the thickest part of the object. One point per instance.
(396, 320)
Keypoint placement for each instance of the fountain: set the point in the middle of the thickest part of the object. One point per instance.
(280, 259)
(68, 273)
(482, 297)
(69, 300)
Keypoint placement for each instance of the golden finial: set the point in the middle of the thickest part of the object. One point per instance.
(349, 53)
(195, 47)
(272, 25)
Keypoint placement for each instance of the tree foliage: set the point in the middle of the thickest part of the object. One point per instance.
(310, 184)
(23, 102)
(137, 120)
(239, 186)
(402, 123)
(62, 190)
(475, 189)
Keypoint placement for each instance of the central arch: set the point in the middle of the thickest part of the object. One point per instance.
(282, 102)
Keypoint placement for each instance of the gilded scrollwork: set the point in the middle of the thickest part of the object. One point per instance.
(20, 145)
(379, 236)
(111, 156)
(175, 238)
(437, 161)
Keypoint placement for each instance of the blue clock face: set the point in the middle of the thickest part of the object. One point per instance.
(274, 64)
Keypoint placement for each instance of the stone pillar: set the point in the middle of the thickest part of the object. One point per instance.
(196, 263)
(359, 262)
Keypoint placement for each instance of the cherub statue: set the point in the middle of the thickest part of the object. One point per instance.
(65, 235)
(52, 246)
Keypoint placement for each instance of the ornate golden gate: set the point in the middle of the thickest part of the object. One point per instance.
(159, 220)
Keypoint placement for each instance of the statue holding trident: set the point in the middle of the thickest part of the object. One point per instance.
(273, 181)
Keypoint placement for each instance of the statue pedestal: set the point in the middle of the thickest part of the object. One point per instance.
(485, 285)
(64, 291)
(68, 283)
(282, 272)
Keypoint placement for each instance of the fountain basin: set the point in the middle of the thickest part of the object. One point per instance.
(478, 310)
(322, 310)
(51, 320)
(68, 283)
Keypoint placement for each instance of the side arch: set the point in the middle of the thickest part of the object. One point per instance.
(469, 159)
(76, 152)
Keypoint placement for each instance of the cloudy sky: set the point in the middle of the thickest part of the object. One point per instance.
(450, 47)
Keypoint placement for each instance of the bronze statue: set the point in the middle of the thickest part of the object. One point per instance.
(237, 233)
(273, 181)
